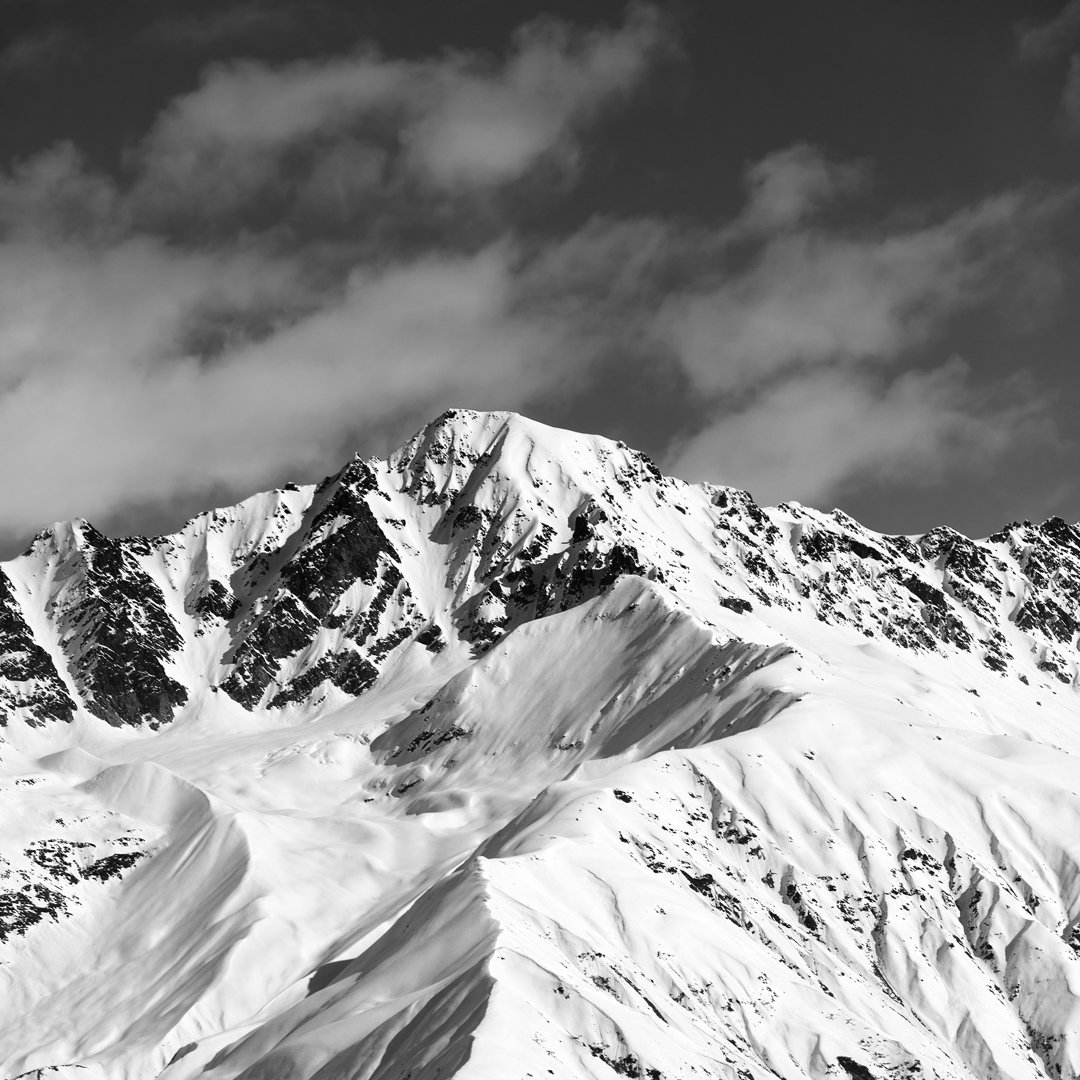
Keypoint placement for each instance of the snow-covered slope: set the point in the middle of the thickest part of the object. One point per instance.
(511, 757)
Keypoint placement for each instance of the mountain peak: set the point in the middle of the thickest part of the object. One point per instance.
(461, 437)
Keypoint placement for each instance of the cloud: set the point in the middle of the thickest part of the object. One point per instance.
(793, 349)
(215, 149)
(101, 406)
(490, 126)
(67, 309)
(229, 24)
(456, 121)
(1046, 39)
(38, 52)
(788, 186)
(1049, 39)
(54, 194)
(1070, 97)
(813, 295)
(825, 432)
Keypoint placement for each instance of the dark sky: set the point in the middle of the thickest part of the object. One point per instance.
(823, 250)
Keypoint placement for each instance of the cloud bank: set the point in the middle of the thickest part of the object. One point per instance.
(296, 253)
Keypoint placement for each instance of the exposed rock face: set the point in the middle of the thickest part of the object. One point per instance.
(29, 681)
(118, 635)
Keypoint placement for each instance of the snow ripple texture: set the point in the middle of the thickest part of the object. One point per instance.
(510, 758)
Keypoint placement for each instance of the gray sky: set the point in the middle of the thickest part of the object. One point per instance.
(825, 251)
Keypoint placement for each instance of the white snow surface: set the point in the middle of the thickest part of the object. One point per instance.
(744, 793)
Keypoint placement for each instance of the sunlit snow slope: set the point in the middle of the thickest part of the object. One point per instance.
(509, 757)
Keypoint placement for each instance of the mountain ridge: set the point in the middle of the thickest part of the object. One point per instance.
(280, 589)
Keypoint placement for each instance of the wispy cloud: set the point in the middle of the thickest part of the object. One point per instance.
(458, 121)
(813, 295)
(789, 186)
(823, 433)
(38, 52)
(1044, 39)
(804, 352)
(1070, 97)
(230, 24)
(1040, 41)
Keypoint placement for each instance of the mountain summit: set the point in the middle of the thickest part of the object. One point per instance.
(511, 757)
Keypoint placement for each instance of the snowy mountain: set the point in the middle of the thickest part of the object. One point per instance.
(509, 757)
